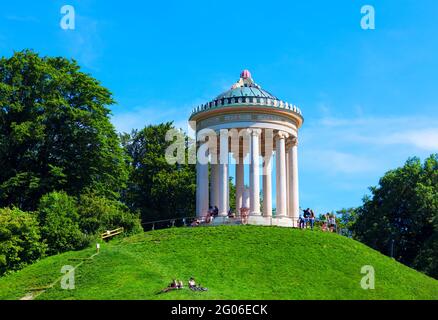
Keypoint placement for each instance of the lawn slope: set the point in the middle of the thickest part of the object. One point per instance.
(234, 262)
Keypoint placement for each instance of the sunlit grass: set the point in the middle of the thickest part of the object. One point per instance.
(233, 262)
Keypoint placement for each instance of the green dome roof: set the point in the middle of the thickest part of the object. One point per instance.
(246, 92)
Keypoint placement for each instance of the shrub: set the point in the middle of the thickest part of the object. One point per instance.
(20, 239)
(59, 222)
(98, 214)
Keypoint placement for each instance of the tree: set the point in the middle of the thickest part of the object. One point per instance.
(346, 219)
(20, 239)
(403, 209)
(98, 214)
(157, 188)
(59, 220)
(55, 132)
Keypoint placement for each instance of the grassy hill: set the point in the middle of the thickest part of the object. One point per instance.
(234, 262)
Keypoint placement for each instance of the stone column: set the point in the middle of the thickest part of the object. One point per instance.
(240, 186)
(201, 189)
(214, 183)
(288, 210)
(254, 176)
(281, 176)
(293, 169)
(267, 186)
(223, 173)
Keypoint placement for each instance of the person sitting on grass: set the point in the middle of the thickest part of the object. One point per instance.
(194, 287)
(196, 223)
(172, 286)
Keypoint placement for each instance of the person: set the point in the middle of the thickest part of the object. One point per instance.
(324, 223)
(312, 219)
(230, 214)
(172, 286)
(332, 223)
(210, 216)
(194, 287)
(306, 217)
(192, 283)
(195, 223)
(244, 215)
(216, 211)
(180, 285)
(301, 222)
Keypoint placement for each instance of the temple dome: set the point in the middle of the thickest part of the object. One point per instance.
(246, 87)
(246, 93)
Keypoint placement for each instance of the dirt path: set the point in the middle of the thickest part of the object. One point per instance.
(33, 294)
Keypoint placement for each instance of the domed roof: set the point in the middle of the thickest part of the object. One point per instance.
(246, 87)
(246, 93)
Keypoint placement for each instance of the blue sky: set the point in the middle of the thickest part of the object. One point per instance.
(369, 97)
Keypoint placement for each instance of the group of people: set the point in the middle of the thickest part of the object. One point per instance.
(177, 284)
(307, 219)
(213, 212)
(329, 222)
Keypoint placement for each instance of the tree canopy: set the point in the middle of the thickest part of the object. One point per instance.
(403, 209)
(55, 131)
(157, 188)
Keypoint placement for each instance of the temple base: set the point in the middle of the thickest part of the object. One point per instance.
(258, 221)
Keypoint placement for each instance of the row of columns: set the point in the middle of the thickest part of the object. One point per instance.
(287, 197)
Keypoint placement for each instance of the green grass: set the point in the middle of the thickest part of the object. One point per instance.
(234, 262)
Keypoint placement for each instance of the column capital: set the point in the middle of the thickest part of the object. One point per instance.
(292, 142)
(254, 131)
(282, 135)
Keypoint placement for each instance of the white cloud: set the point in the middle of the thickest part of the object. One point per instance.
(360, 147)
(334, 162)
(426, 139)
(415, 132)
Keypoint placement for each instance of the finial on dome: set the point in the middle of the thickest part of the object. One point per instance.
(245, 74)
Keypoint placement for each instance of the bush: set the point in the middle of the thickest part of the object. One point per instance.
(98, 214)
(59, 222)
(20, 239)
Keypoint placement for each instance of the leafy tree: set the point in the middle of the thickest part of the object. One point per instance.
(20, 239)
(345, 219)
(55, 132)
(59, 222)
(157, 188)
(404, 208)
(98, 214)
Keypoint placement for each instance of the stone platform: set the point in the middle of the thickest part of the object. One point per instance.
(257, 220)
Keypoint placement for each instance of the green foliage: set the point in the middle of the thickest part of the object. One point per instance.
(98, 214)
(404, 208)
(59, 222)
(233, 262)
(158, 189)
(20, 240)
(55, 132)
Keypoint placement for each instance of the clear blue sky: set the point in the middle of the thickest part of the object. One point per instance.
(369, 98)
